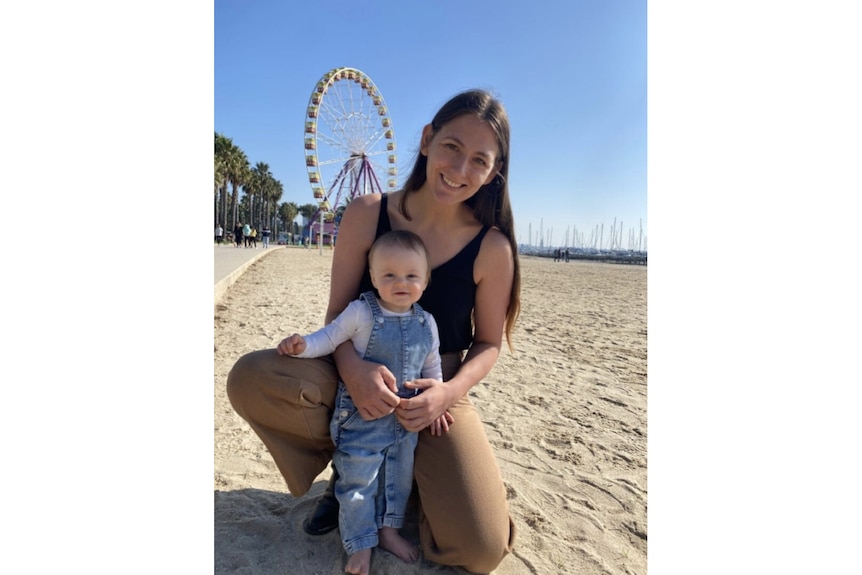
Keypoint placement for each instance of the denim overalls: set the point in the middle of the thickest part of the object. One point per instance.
(374, 459)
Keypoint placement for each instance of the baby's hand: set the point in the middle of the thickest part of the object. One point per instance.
(292, 345)
(441, 425)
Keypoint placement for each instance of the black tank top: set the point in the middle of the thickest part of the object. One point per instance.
(450, 294)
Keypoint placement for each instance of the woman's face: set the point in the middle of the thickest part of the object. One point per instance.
(462, 157)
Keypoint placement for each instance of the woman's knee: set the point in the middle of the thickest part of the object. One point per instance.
(264, 376)
(479, 549)
(236, 377)
(486, 553)
(244, 376)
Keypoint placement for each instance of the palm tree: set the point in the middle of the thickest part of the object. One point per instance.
(238, 175)
(287, 212)
(223, 149)
(219, 179)
(273, 191)
(258, 181)
(232, 168)
(308, 211)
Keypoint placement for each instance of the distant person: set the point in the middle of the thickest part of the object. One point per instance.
(253, 237)
(374, 459)
(237, 235)
(219, 232)
(265, 235)
(567, 254)
(246, 234)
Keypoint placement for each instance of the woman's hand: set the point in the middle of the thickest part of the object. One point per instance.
(372, 387)
(428, 409)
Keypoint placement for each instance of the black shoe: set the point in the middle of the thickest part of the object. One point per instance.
(324, 517)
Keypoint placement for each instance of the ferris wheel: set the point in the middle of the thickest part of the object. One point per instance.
(349, 141)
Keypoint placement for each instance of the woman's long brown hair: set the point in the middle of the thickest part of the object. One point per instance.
(491, 203)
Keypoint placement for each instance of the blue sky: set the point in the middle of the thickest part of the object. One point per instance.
(572, 74)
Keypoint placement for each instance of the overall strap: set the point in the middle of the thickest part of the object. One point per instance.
(373, 304)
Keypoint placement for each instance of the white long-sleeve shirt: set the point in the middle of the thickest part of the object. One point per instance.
(355, 324)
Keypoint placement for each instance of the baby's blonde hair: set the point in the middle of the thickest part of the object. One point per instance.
(401, 239)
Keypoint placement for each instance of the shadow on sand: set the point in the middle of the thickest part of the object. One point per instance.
(260, 532)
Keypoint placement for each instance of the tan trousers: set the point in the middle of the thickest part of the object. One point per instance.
(463, 517)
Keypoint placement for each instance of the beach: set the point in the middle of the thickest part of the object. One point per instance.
(566, 414)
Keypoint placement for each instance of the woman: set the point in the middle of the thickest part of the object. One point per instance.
(237, 235)
(246, 235)
(456, 200)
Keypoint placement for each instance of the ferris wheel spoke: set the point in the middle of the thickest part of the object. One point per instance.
(337, 143)
(376, 153)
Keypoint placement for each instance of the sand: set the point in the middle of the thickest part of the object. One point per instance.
(566, 414)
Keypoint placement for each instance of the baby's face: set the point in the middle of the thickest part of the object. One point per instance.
(400, 276)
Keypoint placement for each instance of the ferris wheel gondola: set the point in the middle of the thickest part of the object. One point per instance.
(350, 145)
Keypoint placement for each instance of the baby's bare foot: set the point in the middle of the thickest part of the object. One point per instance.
(397, 545)
(359, 563)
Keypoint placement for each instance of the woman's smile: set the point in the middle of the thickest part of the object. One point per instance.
(450, 183)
